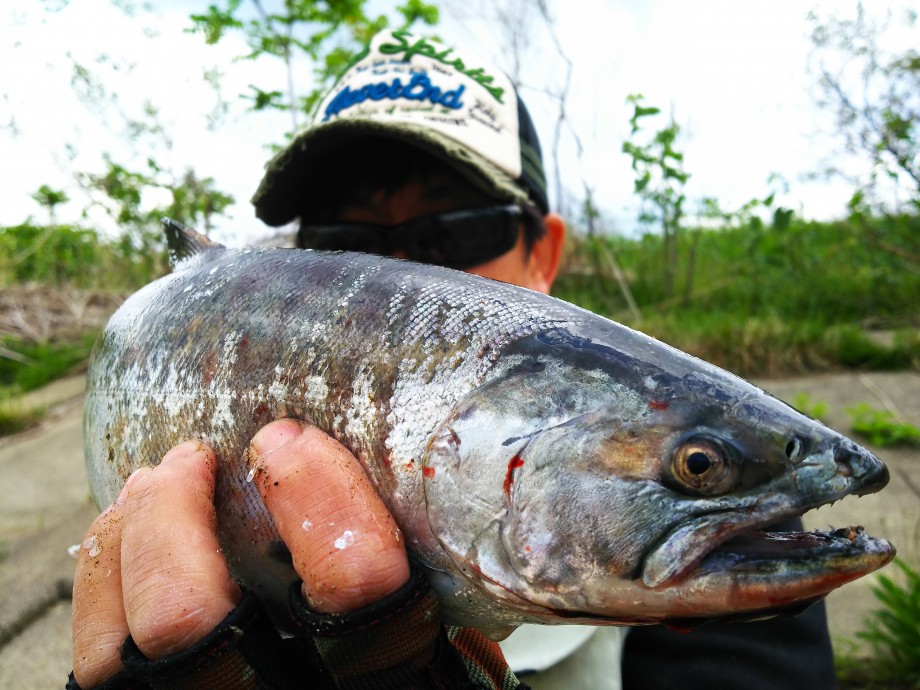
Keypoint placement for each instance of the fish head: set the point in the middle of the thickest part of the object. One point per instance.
(606, 478)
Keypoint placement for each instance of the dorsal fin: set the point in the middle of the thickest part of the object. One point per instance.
(184, 242)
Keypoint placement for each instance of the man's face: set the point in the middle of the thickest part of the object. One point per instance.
(436, 195)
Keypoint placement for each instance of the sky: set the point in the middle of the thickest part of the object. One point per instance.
(733, 74)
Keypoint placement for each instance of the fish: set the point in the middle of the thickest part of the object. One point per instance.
(544, 464)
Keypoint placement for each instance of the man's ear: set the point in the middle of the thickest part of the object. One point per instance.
(546, 254)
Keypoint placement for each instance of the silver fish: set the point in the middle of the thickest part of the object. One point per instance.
(544, 464)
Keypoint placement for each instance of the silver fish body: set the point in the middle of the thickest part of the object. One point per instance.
(544, 464)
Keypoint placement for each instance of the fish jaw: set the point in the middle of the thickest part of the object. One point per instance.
(747, 578)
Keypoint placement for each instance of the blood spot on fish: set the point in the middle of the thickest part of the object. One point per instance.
(513, 464)
(208, 368)
(410, 464)
(658, 404)
(261, 409)
(428, 472)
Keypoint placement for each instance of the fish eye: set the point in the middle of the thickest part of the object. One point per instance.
(794, 449)
(703, 466)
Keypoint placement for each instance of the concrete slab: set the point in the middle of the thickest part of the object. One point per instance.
(39, 658)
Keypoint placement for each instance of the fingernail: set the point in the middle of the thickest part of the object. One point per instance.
(132, 481)
(184, 449)
(276, 435)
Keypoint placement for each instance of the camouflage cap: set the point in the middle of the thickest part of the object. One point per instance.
(427, 94)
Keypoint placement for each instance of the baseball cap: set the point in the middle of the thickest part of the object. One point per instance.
(447, 102)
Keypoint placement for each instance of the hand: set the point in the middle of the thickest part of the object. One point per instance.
(150, 565)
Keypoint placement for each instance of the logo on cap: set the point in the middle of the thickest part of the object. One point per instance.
(419, 88)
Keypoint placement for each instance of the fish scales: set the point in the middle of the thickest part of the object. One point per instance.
(500, 427)
(349, 346)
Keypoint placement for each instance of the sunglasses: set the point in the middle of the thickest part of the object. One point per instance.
(456, 239)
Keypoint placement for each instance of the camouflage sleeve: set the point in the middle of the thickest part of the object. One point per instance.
(244, 652)
(397, 643)
(400, 643)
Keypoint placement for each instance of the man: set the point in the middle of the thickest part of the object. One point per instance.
(420, 153)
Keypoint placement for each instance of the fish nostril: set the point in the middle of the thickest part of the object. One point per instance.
(869, 473)
(848, 461)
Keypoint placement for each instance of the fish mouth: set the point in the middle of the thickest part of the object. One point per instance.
(810, 552)
(808, 564)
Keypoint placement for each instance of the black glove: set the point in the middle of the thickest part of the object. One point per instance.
(395, 643)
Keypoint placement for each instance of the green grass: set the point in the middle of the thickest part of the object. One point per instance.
(763, 301)
(34, 365)
(815, 409)
(892, 635)
(37, 364)
(15, 418)
(881, 428)
(72, 256)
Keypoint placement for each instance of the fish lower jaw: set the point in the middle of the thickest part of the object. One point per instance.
(681, 551)
(759, 571)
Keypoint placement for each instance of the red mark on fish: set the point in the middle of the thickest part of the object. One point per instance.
(428, 472)
(513, 464)
(658, 404)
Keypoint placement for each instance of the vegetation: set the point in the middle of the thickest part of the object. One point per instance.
(77, 257)
(27, 366)
(15, 417)
(815, 409)
(767, 300)
(893, 634)
(327, 34)
(881, 427)
(873, 94)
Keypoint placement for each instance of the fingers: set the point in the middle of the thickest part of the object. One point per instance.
(346, 546)
(151, 565)
(176, 583)
(99, 624)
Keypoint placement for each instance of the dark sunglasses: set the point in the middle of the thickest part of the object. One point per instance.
(456, 239)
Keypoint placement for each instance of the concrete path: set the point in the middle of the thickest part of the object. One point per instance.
(46, 508)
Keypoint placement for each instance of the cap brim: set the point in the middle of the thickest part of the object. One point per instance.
(290, 185)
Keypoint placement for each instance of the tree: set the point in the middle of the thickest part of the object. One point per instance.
(49, 198)
(873, 93)
(660, 180)
(328, 34)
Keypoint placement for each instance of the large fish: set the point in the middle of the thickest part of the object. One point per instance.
(544, 464)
